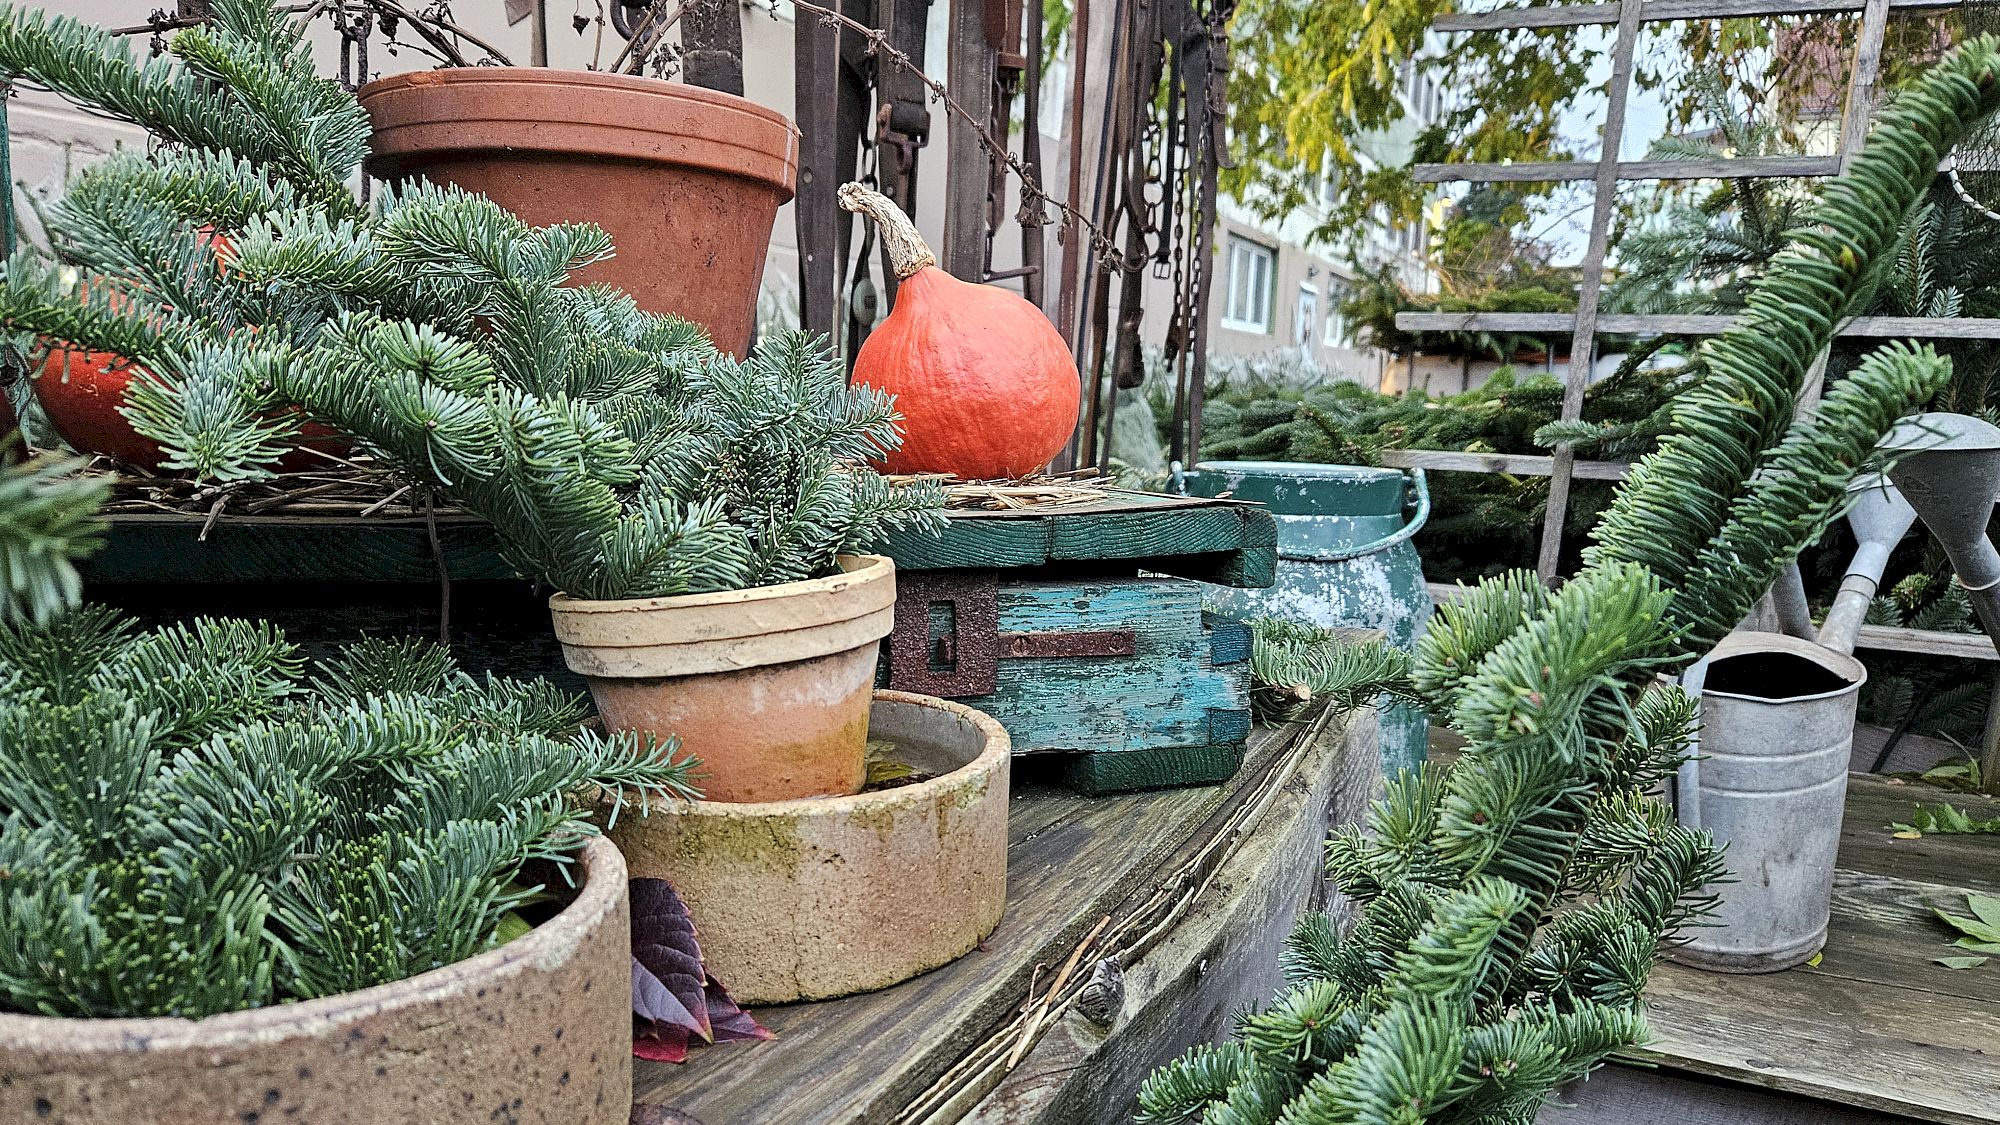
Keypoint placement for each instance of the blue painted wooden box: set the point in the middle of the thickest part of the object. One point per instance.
(1081, 629)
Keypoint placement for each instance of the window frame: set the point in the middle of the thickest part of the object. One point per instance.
(1248, 250)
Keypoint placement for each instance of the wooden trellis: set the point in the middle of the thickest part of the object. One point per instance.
(1606, 173)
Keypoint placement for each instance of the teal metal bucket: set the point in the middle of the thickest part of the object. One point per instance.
(1345, 559)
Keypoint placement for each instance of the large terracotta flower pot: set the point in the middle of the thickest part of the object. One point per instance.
(538, 1030)
(687, 181)
(805, 900)
(768, 686)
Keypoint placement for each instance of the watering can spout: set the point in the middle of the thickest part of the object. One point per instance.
(1948, 466)
(1880, 517)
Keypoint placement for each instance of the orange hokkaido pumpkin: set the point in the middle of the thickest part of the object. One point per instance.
(984, 382)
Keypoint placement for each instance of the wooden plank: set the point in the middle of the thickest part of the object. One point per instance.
(1563, 171)
(1665, 324)
(1881, 1047)
(1168, 694)
(1876, 1024)
(1071, 861)
(1866, 845)
(1519, 464)
(1579, 15)
(968, 168)
(1630, 1095)
(1185, 536)
(1583, 342)
(169, 548)
(1186, 989)
(1966, 646)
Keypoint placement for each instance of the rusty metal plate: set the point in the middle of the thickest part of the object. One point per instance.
(946, 638)
(1106, 642)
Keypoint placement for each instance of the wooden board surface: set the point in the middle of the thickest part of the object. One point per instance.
(1071, 861)
(1876, 1024)
(1220, 541)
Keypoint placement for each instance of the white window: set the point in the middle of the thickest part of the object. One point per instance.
(1337, 295)
(1253, 270)
(1307, 319)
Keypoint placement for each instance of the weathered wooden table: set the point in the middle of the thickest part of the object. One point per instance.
(1876, 1032)
(1187, 893)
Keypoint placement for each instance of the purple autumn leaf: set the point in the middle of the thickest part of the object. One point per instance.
(674, 997)
(667, 976)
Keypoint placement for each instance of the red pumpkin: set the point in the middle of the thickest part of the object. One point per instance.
(984, 382)
(81, 392)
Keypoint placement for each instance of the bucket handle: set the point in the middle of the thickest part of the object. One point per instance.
(1411, 527)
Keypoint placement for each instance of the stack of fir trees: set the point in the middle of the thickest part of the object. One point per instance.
(1511, 907)
(617, 453)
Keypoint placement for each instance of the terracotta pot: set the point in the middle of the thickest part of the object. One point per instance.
(538, 1030)
(805, 900)
(687, 181)
(81, 393)
(767, 686)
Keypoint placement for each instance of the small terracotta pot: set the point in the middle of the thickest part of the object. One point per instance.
(81, 393)
(687, 181)
(538, 1030)
(768, 686)
(806, 900)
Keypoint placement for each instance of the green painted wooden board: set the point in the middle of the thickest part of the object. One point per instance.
(1216, 541)
(1210, 540)
(1174, 710)
(170, 548)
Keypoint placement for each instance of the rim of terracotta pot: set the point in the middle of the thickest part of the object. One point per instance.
(547, 946)
(729, 630)
(996, 752)
(424, 114)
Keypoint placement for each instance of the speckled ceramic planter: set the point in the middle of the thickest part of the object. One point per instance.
(537, 1031)
(809, 899)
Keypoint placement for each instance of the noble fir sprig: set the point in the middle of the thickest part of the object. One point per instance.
(194, 822)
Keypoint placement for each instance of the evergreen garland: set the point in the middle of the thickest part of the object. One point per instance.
(186, 828)
(616, 452)
(1510, 907)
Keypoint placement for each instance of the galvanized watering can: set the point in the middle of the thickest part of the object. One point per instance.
(1345, 559)
(1777, 725)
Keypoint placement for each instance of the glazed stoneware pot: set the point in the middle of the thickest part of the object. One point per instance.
(536, 1031)
(687, 181)
(806, 900)
(768, 686)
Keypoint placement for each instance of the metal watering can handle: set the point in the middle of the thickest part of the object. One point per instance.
(1687, 778)
(1413, 525)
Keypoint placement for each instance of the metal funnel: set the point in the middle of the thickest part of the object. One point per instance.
(1948, 467)
(1880, 517)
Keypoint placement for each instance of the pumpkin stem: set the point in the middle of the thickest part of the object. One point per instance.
(908, 252)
